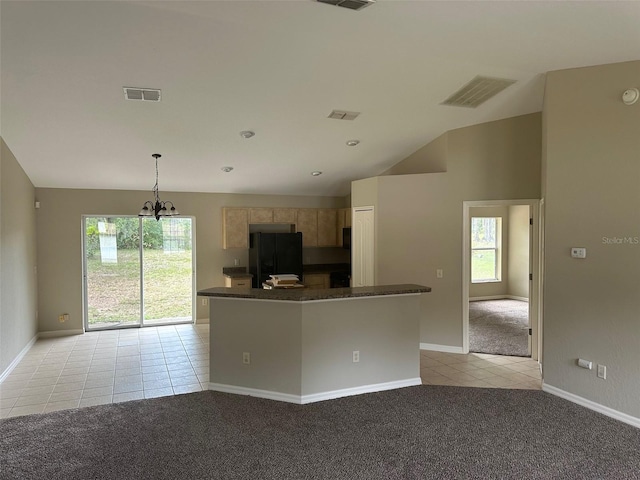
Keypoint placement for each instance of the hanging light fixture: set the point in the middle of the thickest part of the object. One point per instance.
(159, 208)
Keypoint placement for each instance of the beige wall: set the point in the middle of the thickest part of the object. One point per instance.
(60, 239)
(518, 266)
(305, 348)
(592, 305)
(432, 158)
(494, 288)
(18, 315)
(419, 216)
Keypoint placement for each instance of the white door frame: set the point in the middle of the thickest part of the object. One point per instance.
(535, 259)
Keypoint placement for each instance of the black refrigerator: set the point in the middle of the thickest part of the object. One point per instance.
(274, 253)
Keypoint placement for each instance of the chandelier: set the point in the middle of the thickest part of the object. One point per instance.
(159, 208)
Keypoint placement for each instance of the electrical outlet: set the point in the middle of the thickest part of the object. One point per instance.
(602, 372)
(356, 356)
(63, 318)
(204, 302)
(236, 262)
(246, 358)
(439, 273)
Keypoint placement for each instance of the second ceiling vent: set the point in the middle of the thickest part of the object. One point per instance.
(142, 94)
(478, 91)
(350, 4)
(343, 115)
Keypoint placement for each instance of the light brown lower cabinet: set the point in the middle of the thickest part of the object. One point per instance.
(316, 280)
(237, 282)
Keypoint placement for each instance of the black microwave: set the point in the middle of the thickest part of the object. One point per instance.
(346, 238)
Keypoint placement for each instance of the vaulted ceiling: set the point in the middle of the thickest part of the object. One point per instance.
(277, 68)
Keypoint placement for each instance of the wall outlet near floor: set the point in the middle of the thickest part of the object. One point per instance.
(246, 358)
(63, 318)
(356, 356)
(602, 372)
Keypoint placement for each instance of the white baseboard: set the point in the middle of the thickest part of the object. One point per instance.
(19, 357)
(60, 333)
(596, 407)
(316, 397)
(498, 297)
(254, 392)
(347, 392)
(441, 348)
(487, 297)
(514, 297)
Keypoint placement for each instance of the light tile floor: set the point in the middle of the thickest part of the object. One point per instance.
(479, 370)
(119, 365)
(107, 367)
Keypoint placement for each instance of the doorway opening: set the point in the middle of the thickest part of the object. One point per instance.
(501, 278)
(137, 271)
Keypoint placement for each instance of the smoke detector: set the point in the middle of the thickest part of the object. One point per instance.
(350, 4)
(478, 91)
(142, 94)
(629, 97)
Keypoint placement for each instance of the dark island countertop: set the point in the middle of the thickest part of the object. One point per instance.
(311, 294)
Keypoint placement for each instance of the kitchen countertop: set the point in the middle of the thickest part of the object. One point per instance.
(236, 272)
(307, 295)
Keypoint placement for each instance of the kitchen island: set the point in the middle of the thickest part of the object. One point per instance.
(307, 345)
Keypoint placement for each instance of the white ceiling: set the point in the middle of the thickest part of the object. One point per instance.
(278, 68)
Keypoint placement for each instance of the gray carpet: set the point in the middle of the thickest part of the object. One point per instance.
(500, 327)
(424, 432)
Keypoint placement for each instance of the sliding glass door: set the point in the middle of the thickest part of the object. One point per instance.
(167, 270)
(137, 271)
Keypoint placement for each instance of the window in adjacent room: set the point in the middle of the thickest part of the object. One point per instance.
(485, 249)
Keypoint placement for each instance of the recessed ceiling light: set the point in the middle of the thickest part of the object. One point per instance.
(316, 173)
(247, 134)
(352, 143)
(226, 169)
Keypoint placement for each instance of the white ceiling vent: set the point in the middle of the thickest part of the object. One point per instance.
(350, 4)
(142, 94)
(342, 115)
(478, 91)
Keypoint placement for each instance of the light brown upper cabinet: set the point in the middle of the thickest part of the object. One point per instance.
(261, 215)
(307, 223)
(235, 228)
(347, 217)
(344, 221)
(285, 215)
(327, 227)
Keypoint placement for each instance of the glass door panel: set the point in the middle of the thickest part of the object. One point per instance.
(112, 272)
(167, 259)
